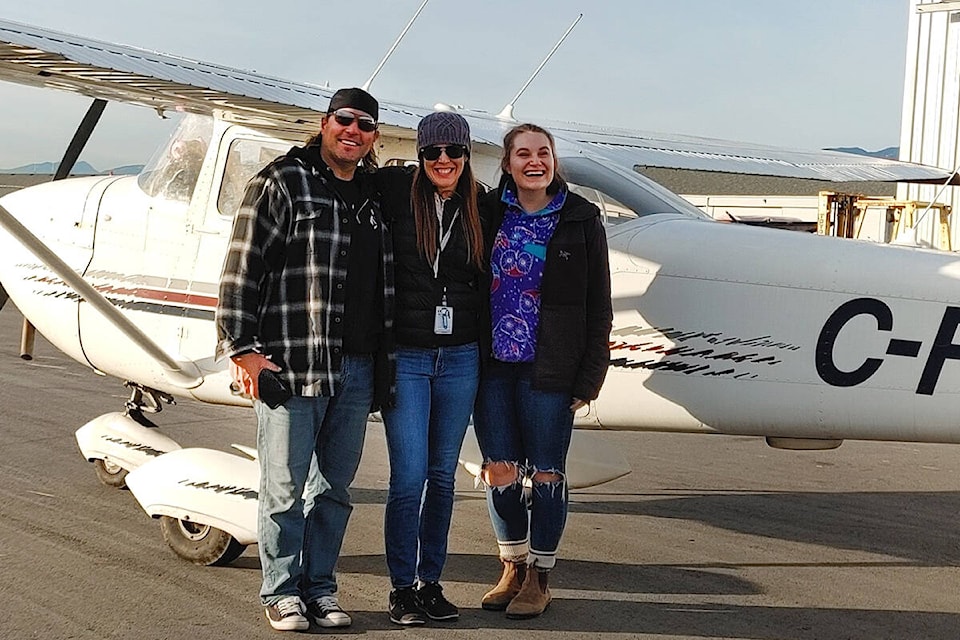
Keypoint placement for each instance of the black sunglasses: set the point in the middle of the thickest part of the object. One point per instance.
(453, 151)
(345, 118)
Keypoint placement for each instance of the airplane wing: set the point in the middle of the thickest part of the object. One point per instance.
(45, 58)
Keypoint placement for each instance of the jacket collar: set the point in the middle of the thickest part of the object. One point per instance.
(575, 208)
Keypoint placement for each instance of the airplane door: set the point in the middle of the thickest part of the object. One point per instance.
(242, 152)
(144, 256)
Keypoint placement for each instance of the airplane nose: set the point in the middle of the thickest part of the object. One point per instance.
(61, 215)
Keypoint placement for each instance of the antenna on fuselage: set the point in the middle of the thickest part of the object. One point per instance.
(366, 85)
(507, 112)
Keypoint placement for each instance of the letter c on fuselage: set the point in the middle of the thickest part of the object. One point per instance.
(826, 368)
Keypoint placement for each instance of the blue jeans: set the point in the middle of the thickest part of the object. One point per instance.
(435, 393)
(309, 451)
(530, 429)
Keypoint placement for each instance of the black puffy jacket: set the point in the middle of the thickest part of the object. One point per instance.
(418, 291)
(576, 313)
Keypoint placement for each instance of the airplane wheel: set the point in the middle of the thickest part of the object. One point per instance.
(110, 473)
(200, 543)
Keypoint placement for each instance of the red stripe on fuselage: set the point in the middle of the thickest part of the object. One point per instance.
(161, 294)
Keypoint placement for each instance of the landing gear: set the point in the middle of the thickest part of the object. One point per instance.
(110, 473)
(145, 400)
(200, 543)
(117, 443)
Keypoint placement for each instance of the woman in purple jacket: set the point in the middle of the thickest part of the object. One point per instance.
(545, 352)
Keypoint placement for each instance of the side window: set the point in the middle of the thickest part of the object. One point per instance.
(400, 162)
(612, 211)
(244, 159)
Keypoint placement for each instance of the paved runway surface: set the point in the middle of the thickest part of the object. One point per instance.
(709, 537)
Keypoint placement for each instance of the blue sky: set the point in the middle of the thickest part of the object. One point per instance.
(798, 74)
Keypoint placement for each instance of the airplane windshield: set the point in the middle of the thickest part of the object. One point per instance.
(622, 195)
(173, 170)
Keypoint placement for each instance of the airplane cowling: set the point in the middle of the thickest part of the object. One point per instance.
(62, 216)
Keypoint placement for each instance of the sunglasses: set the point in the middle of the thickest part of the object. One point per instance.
(345, 118)
(453, 151)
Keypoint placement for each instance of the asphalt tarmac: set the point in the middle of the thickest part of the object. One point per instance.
(709, 537)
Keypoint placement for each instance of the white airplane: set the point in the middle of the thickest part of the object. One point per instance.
(718, 328)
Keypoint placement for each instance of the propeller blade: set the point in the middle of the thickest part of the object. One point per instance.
(80, 137)
(3, 296)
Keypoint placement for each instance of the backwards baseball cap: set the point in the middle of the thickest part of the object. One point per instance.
(443, 127)
(355, 98)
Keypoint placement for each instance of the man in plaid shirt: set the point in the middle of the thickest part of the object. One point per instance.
(304, 314)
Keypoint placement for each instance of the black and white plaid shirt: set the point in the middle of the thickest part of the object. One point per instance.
(284, 278)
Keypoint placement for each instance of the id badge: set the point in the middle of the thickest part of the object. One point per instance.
(443, 320)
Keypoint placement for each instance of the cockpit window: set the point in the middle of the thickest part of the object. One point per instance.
(172, 172)
(244, 159)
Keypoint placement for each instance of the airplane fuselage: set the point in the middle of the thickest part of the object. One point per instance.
(717, 328)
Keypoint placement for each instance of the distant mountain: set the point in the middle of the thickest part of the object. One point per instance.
(890, 153)
(126, 170)
(80, 169)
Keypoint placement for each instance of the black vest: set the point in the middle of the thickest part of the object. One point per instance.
(418, 291)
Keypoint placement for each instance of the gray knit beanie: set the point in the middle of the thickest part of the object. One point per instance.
(443, 127)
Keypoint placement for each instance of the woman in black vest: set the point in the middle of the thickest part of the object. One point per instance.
(438, 248)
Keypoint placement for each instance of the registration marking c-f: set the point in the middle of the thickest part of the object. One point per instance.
(826, 368)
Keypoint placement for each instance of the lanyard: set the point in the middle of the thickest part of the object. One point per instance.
(442, 238)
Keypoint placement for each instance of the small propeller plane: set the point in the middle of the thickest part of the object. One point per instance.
(718, 328)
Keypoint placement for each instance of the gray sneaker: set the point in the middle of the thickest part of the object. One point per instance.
(287, 615)
(326, 612)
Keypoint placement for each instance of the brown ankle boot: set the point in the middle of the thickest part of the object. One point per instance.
(533, 598)
(500, 596)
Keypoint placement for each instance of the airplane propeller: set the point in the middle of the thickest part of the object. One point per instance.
(3, 296)
(87, 125)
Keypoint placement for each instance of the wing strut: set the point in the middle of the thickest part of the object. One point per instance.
(28, 332)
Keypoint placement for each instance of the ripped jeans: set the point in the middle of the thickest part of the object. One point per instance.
(531, 430)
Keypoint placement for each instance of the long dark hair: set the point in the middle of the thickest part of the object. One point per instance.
(425, 213)
(511, 136)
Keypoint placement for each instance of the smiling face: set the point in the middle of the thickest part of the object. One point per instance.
(342, 147)
(444, 173)
(531, 162)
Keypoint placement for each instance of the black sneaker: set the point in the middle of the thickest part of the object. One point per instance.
(431, 600)
(326, 612)
(404, 608)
